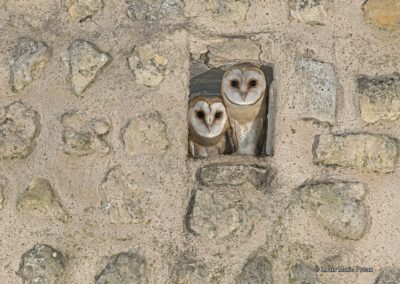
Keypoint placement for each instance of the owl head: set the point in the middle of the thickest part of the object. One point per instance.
(207, 116)
(243, 84)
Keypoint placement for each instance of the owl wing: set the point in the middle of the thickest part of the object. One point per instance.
(231, 141)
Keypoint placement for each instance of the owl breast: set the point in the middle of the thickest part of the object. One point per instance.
(249, 136)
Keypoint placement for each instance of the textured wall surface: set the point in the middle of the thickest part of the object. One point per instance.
(95, 182)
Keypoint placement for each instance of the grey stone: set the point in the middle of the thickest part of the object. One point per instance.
(310, 12)
(389, 276)
(371, 152)
(302, 273)
(317, 95)
(379, 97)
(83, 136)
(28, 56)
(85, 62)
(42, 265)
(125, 268)
(153, 9)
(3, 183)
(257, 270)
(253, 176)
(338, 206)
(19, 127)
(80, 10)
(228, 11)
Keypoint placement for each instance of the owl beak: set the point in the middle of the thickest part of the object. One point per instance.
(209, 124)
(243, 95)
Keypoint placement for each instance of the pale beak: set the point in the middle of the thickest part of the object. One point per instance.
(209, 124)
(243, 95)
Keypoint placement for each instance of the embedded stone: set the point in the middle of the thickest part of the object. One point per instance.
(148, 66)
(145, 134)
(233, 51)
(228, 11)
(253, 176)
(153, 9)
(384, 14)
(42, 265)
(310, 12)
(28, 57)
(80, 10)
(83, 136)
(121, 197)
(371, 152)
(125, 268)
(40, 199)
(317, 93)
(219, 213)
(188, 270)
(338, 206)
(379, 97)
(85, 62)
(389, 276)
(19, 126)
(2, 187)
(257, 270)
(302, 273)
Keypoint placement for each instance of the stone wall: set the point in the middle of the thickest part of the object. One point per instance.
(96, 185)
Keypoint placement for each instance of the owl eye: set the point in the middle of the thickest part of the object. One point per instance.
(253, 83)
(218, 115)
(200, 114)
(235, 83)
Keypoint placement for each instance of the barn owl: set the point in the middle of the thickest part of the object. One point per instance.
(243, 90)
(208, 126)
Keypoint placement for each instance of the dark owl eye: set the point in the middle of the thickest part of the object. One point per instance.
(200, 114)
(218, 115)
(234, 83)
(253, 83)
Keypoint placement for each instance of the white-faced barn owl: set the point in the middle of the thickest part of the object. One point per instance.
(208, 127)
(243, 90)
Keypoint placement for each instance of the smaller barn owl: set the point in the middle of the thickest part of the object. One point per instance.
(208, 126)
(243, 91)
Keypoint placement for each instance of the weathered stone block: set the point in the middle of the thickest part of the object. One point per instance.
(80, 10)
(384, 14)
(125, 268)
(338, 206)
(379, 97)
(19, 126)
(302, 273)
(310, 12)
(257, 270)
(253, 176)
(153, 9)
(42, 265)
(83, 136)
(227, 11)
(28, 57)
(39, 199)
(317, 93)
(371, 152)
(148, 66)
(389, 276)
(85, 62)
(145, 134)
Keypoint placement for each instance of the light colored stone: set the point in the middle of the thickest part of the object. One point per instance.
(257, 270)
(40, 199)
(148, 66)
(121, 198)
(80, 10)
(42, 265)
(252, 176)
(145, 135)
(379, 97)
(85, 62)
(125, 268)
(231, 51)
(3, 182)
(389, 276)
(28, 57)
(19, 126)
(316, 98)
(384, 14)
(338, 206)
(227, 11)
(153, 9)
(310, 12)
(83, 136)
(371, 152)
(302, 273)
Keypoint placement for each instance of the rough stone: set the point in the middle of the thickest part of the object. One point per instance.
(42, 265)
(145, 134)
(310, 12)
(219, 213)
(120, 197)
(85, 62)
(153, 9)
(19, 126)
(371, 152)
(28, 57)
(253, 176)
(125, 268)
(379, 97)
(148, 66)
(302, 273)
(338, 206)
(39, 199)
(384, 14)
(2, 187)
(227, 11)
(317, 96)
(80, 10)
(233, 51)
(389, 276)
(83, 136)
(257, 270)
